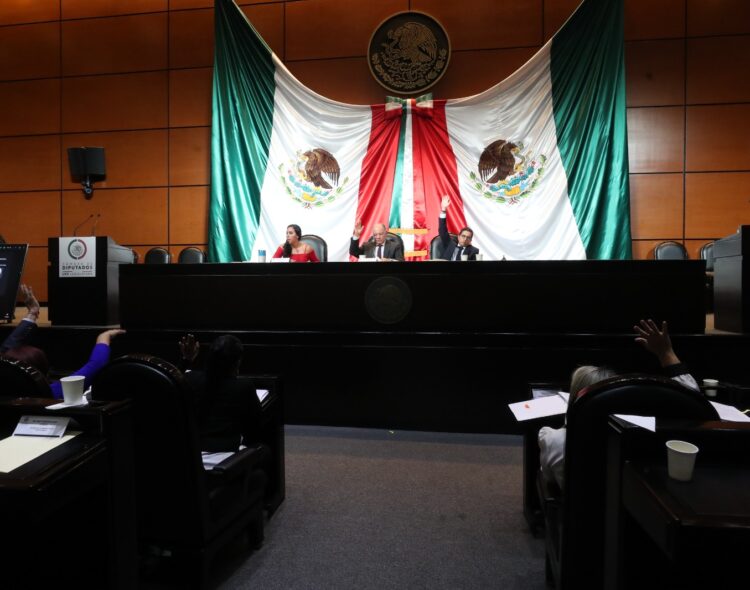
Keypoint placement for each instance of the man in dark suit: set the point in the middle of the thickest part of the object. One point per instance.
(451, 250)
(23, 331)
(378, 247)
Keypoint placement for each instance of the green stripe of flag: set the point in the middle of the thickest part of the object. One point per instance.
(588, 92)
(243, 101)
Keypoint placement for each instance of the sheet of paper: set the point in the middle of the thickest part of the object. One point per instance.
(730, 413)
(647, 422)
(552, 405)
(19, 450)
(211, 460)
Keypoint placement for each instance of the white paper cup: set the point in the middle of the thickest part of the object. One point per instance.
(72, 389)
(681, 459)
(480, 256)
(710, 386)
(464, 257)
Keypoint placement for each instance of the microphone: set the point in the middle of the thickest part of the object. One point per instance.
(75, 231)
(96, 222)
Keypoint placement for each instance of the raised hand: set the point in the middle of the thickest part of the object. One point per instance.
(30, 301)
(189, 347)
(445, 202)
(358, 227)
(106, 336)
(656, 341)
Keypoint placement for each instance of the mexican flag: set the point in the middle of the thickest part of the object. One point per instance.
(537, 165)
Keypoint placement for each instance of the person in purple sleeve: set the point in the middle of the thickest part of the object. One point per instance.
(15, 347)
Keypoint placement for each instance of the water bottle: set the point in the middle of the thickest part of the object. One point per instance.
(261, 255)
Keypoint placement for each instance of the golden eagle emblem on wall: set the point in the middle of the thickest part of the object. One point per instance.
(507, 172)
(312, 177)
(409, 52)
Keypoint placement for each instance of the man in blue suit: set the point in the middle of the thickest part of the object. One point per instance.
(451, 250)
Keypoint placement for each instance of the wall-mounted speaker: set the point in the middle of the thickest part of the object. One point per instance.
(87, 165)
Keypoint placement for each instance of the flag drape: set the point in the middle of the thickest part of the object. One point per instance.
(536, 165)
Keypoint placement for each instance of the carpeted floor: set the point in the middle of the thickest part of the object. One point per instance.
(380, 509)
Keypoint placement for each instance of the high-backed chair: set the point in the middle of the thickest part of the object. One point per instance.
(436, 246)
(191, 255)
(181, 507)
(318, 244)
(707, 254)
(17, 379)
(574, 519)
(157, 256)
(670, 251)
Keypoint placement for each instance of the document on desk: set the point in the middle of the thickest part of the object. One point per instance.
(19, 450)
(730, 413)
(551, 405)
(647, 422)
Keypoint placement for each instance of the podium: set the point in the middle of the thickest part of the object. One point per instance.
(83, 280)
(731, 273)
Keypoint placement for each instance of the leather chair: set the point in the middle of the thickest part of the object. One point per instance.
(17, 379)
(191, 255)
(157, 256)
(181, 507)
(436, 247)
(318, 244)
(574, 519)
(670, 251)
(707, 254)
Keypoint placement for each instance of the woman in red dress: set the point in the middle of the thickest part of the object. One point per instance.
(294, 249)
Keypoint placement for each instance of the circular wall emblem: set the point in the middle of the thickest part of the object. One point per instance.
(409, 52)
(77, 249)
(388, 300)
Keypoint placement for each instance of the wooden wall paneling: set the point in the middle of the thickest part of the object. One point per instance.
(487, 24)
(122, 101)
(190, 95)
(114, 44)
(134, 158)
(334, 28)
(191, 38)
(718, 138)
(656, 205)
(715, 204)
(188, 215)
(189, 156)
(471, 72)
(719, 17)
(654, 19)
(656, 139)
(30, 163)
(128, 216)
(186, 4)
(644, 249)
(555, 15)
(24, 11)
(30, 51)
(30, 107)
(655, 72)
(35, 271)
(88, 8)
(346, 79)
(35, 217)
(268, 20)
(717, 69)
